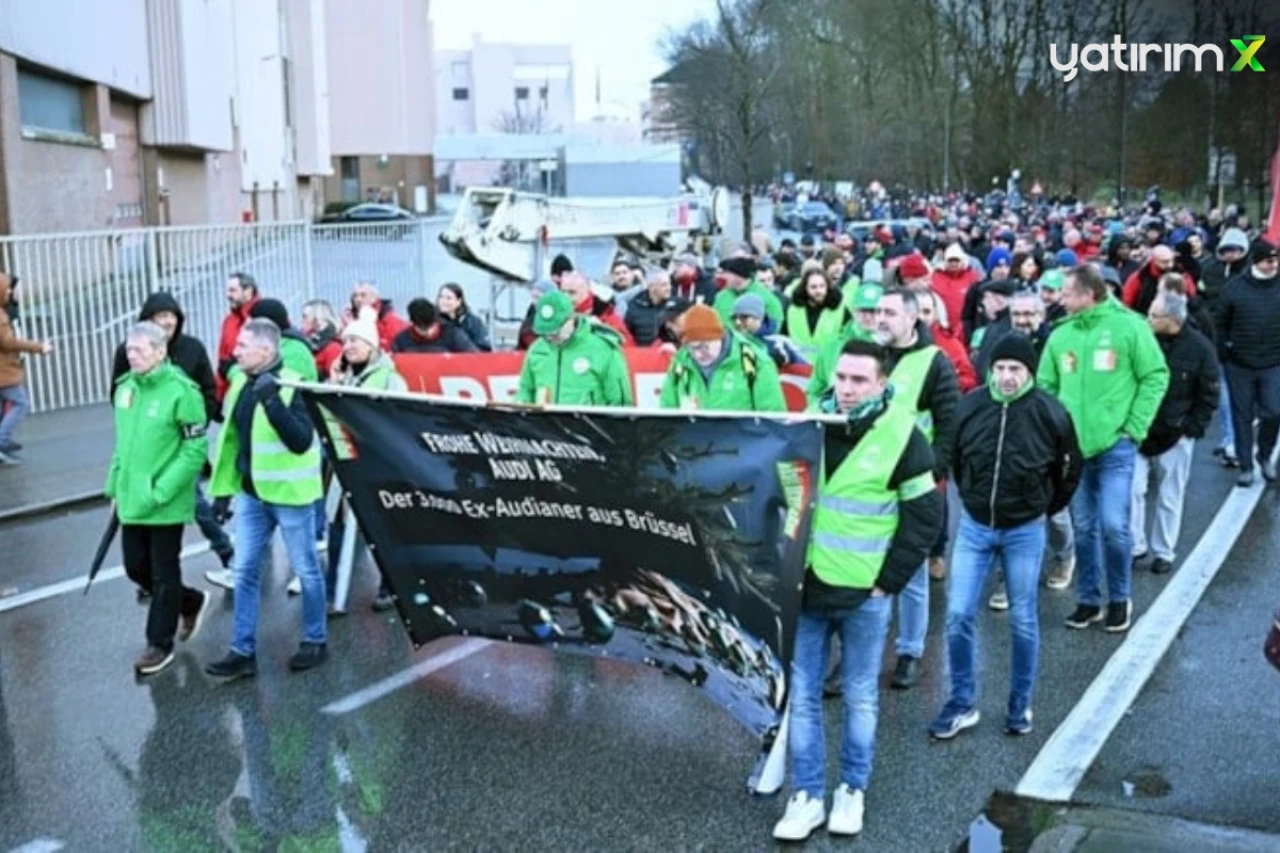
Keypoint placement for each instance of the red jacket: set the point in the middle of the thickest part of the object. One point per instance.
(603, 311)
(326, 355)
(389, 323)
(1141, 288)
(231, 325)
(954, 351)
(951, 290)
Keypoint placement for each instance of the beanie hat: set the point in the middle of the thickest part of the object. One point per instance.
(560, 265)
(913, 266)
(998, 256)
(830, 256)
(551, 311)
(365, 330)
(273, 310)
(741, 267)
(1016, 346)
(702, 323)
(1067, 258)
(1263, 249)
(954, 252)
(749, 305)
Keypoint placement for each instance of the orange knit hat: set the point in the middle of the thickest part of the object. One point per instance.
(702, 323)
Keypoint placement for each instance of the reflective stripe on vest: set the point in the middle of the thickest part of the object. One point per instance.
(857, 512)
(908, 380)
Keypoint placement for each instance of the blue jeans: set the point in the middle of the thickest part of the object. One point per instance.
(14, 405)
(913, 614)
(1021, 550)
(322, 523)
(219, 541)
(862, 635)
(255, 523)
(1224, 411)
(1100, 516)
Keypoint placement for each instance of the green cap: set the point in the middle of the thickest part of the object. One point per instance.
(551, 312)
(867, 297)
(1051, 280)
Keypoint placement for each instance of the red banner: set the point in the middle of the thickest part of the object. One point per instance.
(496, 376)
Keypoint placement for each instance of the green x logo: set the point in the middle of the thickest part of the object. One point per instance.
(1248, 46)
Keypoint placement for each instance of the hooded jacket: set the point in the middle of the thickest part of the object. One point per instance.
(160, 448)
(186, 353)
(952, 289)
(588, 369)
(1105, 367)
(11, 346)
(1215, 272)
(743, 380)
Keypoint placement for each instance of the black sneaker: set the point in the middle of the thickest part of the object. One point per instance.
(233, 666)
(1160, 566)
(1118, 614)
(906, 673)
(1139, 558)
(1084, 616)
(309, 656)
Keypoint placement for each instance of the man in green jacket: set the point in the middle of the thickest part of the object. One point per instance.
(865, 301)
(160, 422)
(1104, 365)
(718, 370)
(295, 352)
(575, 361)
(739, 279)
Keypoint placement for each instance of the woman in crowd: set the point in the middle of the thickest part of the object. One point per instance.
(816, 314)
(451, 304)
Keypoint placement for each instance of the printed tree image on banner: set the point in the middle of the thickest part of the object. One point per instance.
(675, 541)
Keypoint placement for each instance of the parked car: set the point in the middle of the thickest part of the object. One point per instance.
(383, 221)
(859, 231)
(813, 217)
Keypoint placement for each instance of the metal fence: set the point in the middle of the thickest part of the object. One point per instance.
(82, 291)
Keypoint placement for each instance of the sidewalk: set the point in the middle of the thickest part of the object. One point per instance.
(1015, 824)
(65, 459)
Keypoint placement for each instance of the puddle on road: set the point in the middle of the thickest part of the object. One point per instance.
(1009, 824)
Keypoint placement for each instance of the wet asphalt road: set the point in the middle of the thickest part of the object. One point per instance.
(513, 747)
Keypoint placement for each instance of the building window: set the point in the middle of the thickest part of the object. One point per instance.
(544, 92)
(522, 93)
(48, 103)
(350, 167)
(461, 93)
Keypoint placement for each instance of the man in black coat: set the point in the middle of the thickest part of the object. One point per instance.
(427, 334)
(1016, 461)
(1249, 345)
(644, 314)
(189, 355)
(1183, 417)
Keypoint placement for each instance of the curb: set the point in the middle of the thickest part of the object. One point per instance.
(78, 501)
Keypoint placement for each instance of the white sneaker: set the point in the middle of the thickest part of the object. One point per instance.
(295, 586)
(1060, 573)
(846, 812)
(804, 815)
(999, 599)
(221, 577)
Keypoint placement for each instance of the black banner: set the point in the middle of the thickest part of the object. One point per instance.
(677, 542)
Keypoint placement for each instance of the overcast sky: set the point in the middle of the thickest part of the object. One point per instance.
(619, 38)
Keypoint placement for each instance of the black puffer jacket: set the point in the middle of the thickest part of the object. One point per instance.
(1014, 462)
(1192, 397)
(644, 317)
(1248, 322)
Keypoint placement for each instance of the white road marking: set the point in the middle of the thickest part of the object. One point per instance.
(77, 584)
(1066, 757)
(40, 845)
(379, 689)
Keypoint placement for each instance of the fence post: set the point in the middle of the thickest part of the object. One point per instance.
(422, 256)
(308, 234)
(153, 260)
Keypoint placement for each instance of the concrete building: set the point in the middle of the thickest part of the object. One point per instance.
(657, 116)
(501, 88)
(157, 112)
(381, 96)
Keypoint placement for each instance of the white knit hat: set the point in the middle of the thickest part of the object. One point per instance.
(365, 330)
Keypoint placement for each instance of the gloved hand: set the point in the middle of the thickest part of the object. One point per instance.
(265, 386)
(222, 510)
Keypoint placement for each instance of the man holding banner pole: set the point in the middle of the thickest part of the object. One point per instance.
(878, 514)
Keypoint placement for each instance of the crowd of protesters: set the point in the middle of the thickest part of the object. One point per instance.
(1050, 363)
